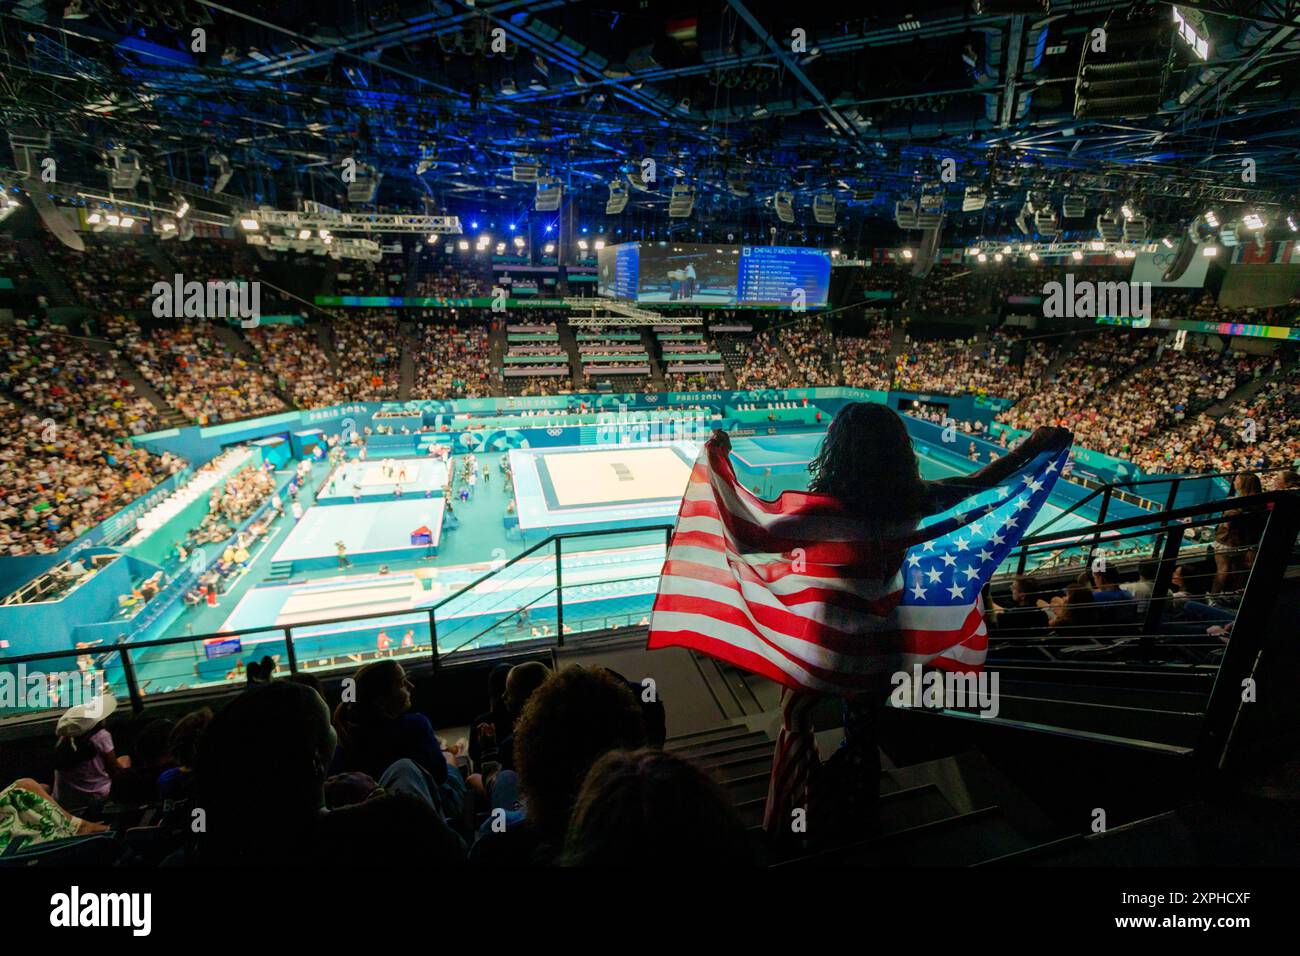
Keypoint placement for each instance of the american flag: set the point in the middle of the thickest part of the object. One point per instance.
(800, 590)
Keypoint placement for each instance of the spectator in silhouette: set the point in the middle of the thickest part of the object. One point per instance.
(1141, 588)
(261, 783)
(1074, 611)
(868, 464)
(1236, 538)
(378, 728)
(649, 808)
(497, 715)
(1024, 618)
(85, 758)
(572, 720)
(150, 757)
(176, 784)
(521, 681)
(1113, 604)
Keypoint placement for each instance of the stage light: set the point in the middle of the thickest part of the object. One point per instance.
(463, 245)
(1033, 257)
(127, 222)
(1097, 245)
(600, 244)
(433, 239)
(824, 209)
(1253, 221)
(783, 205)
(501, 248)
(182, 209)
(248, 224)
(1211, 219)
(618, 197)
(1007, 250)
(982, 257)
(94, 218)
(1290, 221)
(113, 219)
(1209, 251)
(304, 235)
(997, 257)
(1127, 210)
(1076, 255)
(1167, 242)
(549, 248)
(519, 241)
(1074, 206)
(582, 244)
(907, 253)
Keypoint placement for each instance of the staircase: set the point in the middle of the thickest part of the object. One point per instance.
(325, 340)
(1243, 394)
(33, 252)
(168, 417)
(497, 348)
(569, 342)
(406, 370)
(656, 367)
(952, 811)
(159, 259)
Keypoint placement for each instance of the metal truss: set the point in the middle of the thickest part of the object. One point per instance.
(355, 222)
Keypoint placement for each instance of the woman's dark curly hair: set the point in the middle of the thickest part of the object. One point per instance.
(867, 463)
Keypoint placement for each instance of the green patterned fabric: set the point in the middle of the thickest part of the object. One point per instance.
(27, 814)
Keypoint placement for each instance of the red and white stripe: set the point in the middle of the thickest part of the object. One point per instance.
(798, 590)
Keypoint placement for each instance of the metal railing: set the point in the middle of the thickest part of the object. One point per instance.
(474, 618)
(548, 593)
(1240, 612)
(1115, 489)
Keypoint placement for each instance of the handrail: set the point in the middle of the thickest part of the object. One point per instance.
(429, 610)
(1174, 480)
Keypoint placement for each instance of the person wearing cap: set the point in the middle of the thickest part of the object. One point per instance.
(85, 760)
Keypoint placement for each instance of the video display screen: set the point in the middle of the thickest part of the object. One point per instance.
(759, 276)
(772, 276)
(617, 268)
(688, 272)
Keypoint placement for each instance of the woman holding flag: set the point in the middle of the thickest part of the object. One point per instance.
(831, 592)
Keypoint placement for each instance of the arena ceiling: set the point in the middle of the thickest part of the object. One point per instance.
(740, 99)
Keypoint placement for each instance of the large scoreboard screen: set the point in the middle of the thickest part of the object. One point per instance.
(783, 276)
(790, 277)
(617, 269)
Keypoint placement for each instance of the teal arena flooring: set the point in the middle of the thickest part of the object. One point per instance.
(608, 581)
